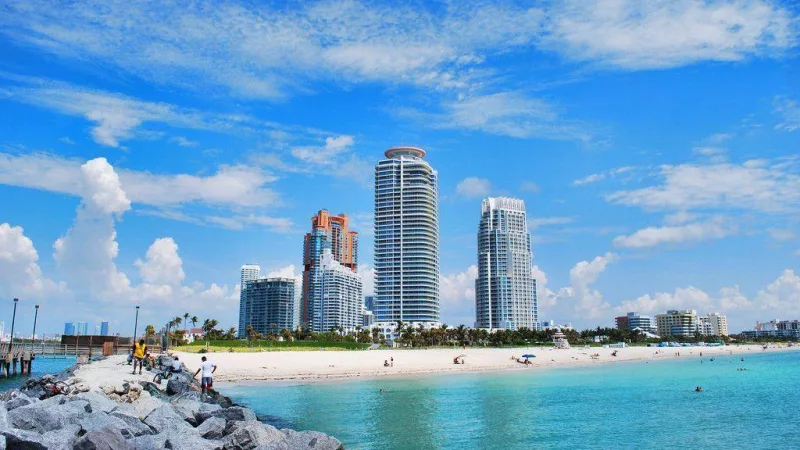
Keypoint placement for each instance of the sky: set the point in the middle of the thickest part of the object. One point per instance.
(148, 150)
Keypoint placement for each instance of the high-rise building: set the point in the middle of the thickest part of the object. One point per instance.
(104, 329)
(406, 238)
(269, 305)
(82, 328)
(327, 233)
(677, 323)
(369, 302)
(715, 324)
(69, 329)
(250, 272)
(505, 289)
(341, 296)
(633, 320)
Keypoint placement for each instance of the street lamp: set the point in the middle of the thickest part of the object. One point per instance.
(136, 323)
(13, 319)
(35, 316)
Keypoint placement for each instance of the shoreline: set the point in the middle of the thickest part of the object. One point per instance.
(286, 368)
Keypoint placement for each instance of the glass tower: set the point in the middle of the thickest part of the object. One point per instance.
(250, 272)
(505, 291)
(269, 305)
(406, 238)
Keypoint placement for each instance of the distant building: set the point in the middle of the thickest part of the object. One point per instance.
(677, 323)
(69, 329)
(717, 324)
(633, 320)
(329, 233)
(367, 319)
(249, 272)
(340, 289)
(787, 329)
(269, 305)
(407, 239)
(369, 302)
(505, 289)
(104, 329)
(552, 325)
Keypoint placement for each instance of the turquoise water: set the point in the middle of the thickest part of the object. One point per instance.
(41, 366)
(625, 405)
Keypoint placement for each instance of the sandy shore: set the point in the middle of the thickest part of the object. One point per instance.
(323, 365)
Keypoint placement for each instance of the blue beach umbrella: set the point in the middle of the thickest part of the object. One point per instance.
(528, 356)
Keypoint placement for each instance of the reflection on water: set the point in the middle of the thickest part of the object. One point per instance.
(626, 405)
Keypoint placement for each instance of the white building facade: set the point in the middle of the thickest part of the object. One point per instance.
(341, 289)
(505, 291)
(249, 272)
(406, 239)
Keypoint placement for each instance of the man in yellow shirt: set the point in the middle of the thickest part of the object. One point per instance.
(139, 351)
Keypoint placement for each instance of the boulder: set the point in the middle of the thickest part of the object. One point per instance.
(23, 439)
(178, 385)
(134, 424)
(149, 442)
(61, 439)
(98, 420)
(140, 408)
(153, 390)
(97, 401)
(2, 442)
(188, 439)
(48, 415)
(18, 401)
(120, 389)
(3, 416)
(234, 413)
(311, 440)
(213, 428)
(107, 389)
(165, 418)
(251, 435)
(205, 411)
(102, 439)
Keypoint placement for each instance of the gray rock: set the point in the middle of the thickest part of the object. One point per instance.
(153, 390)
(234, 413)
(99, 420)
(165, 418)
(149, 442)
(213, 428)
(312, 440)
(102, 439)
(251, 435)
(2, 442)
(3, 416)
(23, 439)
(18, 401)
(61, 439)
(140, 408)
(188, 439)
(178, 385)
(134, 424)
(187, 407)
(48, 415)
(97, 401)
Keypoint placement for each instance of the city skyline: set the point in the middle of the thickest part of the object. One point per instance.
(659, 171)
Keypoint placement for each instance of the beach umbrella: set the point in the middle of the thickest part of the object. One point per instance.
(528, 355)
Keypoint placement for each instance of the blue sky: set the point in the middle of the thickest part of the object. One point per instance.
(147, 151)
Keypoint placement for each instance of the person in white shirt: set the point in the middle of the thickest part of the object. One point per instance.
(176, 366)
(208, 368)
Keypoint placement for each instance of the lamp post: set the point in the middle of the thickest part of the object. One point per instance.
(136, 323)
(13, 319)
(35, 316)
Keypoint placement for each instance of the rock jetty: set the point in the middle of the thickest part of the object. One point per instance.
(136, 414)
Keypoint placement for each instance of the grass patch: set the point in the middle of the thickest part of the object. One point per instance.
(242, 346)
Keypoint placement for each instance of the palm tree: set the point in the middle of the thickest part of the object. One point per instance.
(177, 321)
(194, 321)
(231, 334)
(185, 320)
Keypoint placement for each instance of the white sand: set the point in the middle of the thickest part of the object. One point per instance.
(321, 365)
(110, 371)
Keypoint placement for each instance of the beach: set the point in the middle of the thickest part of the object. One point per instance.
(326, 365)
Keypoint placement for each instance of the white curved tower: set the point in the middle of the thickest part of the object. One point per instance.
(406, 238)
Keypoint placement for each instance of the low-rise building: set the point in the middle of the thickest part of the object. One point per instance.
(634, 320)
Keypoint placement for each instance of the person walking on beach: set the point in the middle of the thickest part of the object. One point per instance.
(208, 368)
(392, 360)
(139, 349)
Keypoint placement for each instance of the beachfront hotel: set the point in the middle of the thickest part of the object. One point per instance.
(633, 320)
(505, 291)
(269, 305)
(249, 272)
(406, 239)
(713, 324)
(340, 306)
(328, 232)
(677, 323)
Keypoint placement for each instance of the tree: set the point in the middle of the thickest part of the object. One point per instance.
(231, 333)
(194, 320)
(149, 330)
(185, 320)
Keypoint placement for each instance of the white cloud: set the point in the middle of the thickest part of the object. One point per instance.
(334, 146)
(239, 222)
(771, 186)
(579, 300)
(20, 274)
(538, 222)
(782, 234)
(67, 140)
(630, 34)
(163, 265)
(184, 142)
(692, 232)
(782, 296)
(596, 177)
(530, 186)
(680, 217)
(457, 292)
(367, 273)
(473, 187)
(789, 112)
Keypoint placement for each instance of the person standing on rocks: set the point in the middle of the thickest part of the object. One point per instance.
(208, 368)
(139, 349)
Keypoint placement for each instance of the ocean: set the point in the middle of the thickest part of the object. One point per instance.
(623, 405)
(41, 366)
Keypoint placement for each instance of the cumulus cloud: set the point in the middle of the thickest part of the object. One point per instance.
(579, 300)
(717, 228)
(473, 187)
(163, 265)
(538, 222)
(789, 112)
(367, 273)
(457, 293)
(596, 177)
(20, 274)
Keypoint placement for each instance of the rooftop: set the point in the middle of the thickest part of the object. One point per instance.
(396, 152)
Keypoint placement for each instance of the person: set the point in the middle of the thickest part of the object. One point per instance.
(139, 350)
(176, 366)
(385, 363)
(208, 368)
(392, 360)
(698, 389)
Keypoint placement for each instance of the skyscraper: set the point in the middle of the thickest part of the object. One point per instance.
(327, 233)
(82, 328)
(69, 329)
(406, 238)
(269, 305)
(505, 291)
(341, 289)
(250, 272)
(104, 329)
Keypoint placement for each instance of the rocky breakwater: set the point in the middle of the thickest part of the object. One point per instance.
(136, 414)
